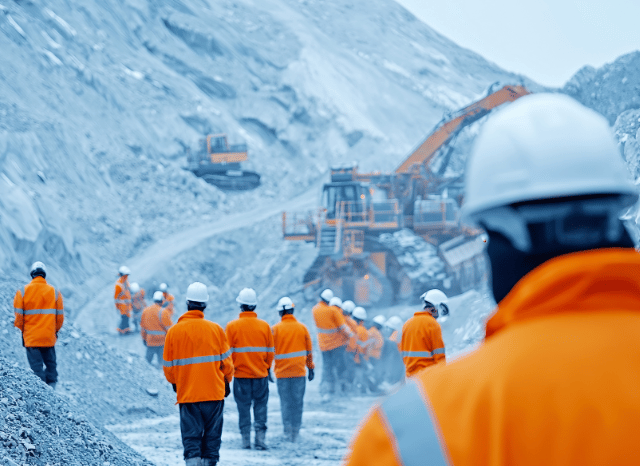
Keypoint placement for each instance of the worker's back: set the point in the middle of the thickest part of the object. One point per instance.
(421, 343)
(331, 326)
(251, 343)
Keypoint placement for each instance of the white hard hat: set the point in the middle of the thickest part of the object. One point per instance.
(158, 296)
(359, 313)
(197, 292)
(544, 146)
(163, 287)
(348, 306)
(124, 270)
(247, 296)
(38, 266)
(434, 297)
(135, 287)
(379, 319)
(394, 322)
(335, 301)
(285, 304)
(327, 295)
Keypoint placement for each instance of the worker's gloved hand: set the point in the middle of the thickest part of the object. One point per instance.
(269, 376)
(175, 387)
(227, 389)
(311, 375)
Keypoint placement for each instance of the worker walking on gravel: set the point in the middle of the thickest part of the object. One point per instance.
(155, 323)
(421, 345)
(252, 348)
(122, 297)
(556, 380)
(39, 314)
(138, 304)
(197, 362)
(333, 335)
(293, 353)
(167, 303)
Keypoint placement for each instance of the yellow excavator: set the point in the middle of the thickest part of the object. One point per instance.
(387, 238)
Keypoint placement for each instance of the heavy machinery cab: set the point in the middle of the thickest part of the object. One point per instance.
(345, 197)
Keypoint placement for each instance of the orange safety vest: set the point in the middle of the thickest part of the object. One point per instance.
(137, 301)
(39, 313)
(555, 381)
(154, 323)
(168, 302)
(293, 348)
(251, 344)
(421, 345)
(351, 323)
(122, 296)
(197, 358)
(376, 343)
(333, 331)
(359, 343)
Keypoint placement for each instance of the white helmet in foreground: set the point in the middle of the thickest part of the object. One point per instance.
(197, 293)
(124, 270)
(285, 304)
(434, 297)
(158, 297)
(326, 295)
(359, 313)
(335, 301)
(38, 268)
(248, 297)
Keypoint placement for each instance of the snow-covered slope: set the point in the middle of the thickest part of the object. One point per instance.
(99, 99)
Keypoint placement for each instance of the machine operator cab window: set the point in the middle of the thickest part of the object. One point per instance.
(356, 195)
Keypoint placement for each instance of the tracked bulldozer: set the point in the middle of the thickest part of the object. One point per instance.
(387, 238)
(218, 163)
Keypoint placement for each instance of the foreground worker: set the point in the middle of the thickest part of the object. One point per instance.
(252, 348)
(155, 323)
(168, 298)
(122, 297)
(197, 362)
(138, 304)
(556, 380)
(421, 343)
(39, 314)
(293, 352)
(333, 335)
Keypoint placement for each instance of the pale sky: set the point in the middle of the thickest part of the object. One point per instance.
(546, 40)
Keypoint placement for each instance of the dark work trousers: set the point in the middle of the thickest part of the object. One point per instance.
(157, 351)
(201, 429)
(136, 320)
(291, 391)
(124, 324)
(39, 357)
(333, 369)
(245, 392)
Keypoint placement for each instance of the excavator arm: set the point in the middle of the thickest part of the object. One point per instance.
(446, 130)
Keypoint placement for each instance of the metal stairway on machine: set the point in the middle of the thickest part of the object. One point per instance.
(327, 241)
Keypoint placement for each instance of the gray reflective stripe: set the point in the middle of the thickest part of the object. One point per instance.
(196, 360)
(327, 330)
(345, 328)
(422, 354)
(438, 351)
(253, 349)
(155, 332)
(123, 301)
(296, 354)
(413, 427)
(18, 310)
(31, 312)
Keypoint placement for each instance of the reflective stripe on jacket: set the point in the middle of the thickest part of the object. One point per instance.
(293, 348)
(333, 331)
(137, 301)
(39, 313)
(421, 345)
(251, 343)
(376, 343)
(122, 296)
(555, 382)
(197, 358)
(154, 324)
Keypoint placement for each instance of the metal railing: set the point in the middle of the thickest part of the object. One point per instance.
(378, 215)
(435, 213)
(302, 225)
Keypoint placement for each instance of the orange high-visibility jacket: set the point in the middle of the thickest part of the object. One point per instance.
(376, 342)
(39, 313)
(555, 381)
(197, 358)
(351, 323)
(168, 302)
(137, 301)
(154, 324)
(293, 348)
(333, 331)
(251, 344)
(421, 344)
(122, 296)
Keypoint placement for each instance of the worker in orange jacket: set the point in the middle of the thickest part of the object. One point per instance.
(374, 351)
(167, 303)
(122, 297)
(39, 314)
(198, 364)
(138, 304)
(421, 345)
(556, 380)
(252, 347)
(333, 336)
(155, 323)
(293, 352)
